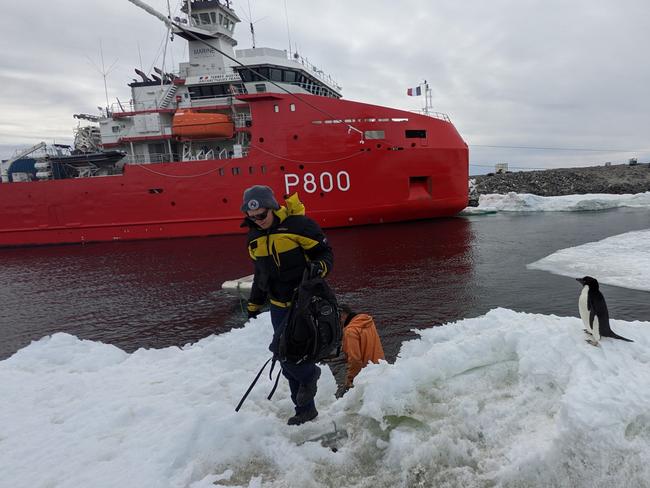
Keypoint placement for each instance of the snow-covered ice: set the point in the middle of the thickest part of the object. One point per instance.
(525, 202)
(622, 260)
(506, 399)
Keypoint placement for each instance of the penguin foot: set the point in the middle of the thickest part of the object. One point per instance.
(587, 331)
(592, 342)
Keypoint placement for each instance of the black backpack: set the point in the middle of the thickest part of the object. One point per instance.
(313, 331)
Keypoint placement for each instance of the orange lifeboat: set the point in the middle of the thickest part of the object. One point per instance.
(202, 125)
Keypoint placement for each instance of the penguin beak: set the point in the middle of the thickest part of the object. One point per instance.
(580, 280)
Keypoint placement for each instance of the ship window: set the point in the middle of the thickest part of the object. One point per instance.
(251, 170)
(276, 108)
(221, 172)
(316, 122)
(213, 17)
(416, 134)
(276, 74)
(195, 18)
(115, 128)
(292, 107)
(263, 169)
(205, 18)
(290, 76)
(235, 171)
(261, 88)
(374, 134)
(221, 19)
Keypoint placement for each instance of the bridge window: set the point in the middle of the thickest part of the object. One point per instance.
(205, 18)
(290, 76)
(276, 74)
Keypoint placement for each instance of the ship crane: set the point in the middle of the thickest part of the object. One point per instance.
(4, 165)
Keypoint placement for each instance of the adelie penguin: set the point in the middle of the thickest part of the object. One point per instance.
(593, 312)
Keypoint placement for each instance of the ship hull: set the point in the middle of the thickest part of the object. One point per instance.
(342, 178)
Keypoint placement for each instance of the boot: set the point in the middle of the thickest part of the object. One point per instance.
(307, 391)
(302, 417)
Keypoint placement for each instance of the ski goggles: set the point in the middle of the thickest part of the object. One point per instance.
(260, 216)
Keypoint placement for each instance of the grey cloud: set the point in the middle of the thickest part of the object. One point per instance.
(528, 73)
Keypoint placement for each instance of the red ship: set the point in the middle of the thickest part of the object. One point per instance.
(193, 140)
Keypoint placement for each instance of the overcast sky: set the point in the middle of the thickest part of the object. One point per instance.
(566, 74)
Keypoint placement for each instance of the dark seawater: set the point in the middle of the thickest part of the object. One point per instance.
(409, 275)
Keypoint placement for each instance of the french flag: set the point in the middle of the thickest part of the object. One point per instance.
(414, 92)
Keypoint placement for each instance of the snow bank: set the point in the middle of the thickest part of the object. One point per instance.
(622, 260)
(511, 399)
(525, 202)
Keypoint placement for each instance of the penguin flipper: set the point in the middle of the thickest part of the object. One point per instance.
(614, 335)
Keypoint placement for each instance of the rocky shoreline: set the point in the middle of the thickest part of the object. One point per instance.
(615, 179)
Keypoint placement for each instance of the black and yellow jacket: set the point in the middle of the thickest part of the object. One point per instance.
(282, 252)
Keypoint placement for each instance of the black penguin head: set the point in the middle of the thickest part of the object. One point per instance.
(592, 283)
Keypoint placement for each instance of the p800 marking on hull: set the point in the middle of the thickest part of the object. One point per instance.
(313, 182)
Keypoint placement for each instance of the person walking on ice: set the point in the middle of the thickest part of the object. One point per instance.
(283, 242)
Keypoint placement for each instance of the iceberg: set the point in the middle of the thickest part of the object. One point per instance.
(526, 202)
(622, 260)
(505, 399)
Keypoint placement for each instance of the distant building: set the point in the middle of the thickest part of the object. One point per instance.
(608, 163)
(633, 162)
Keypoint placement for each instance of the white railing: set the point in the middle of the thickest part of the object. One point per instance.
(435, 115)
(241, 119)
(318, 73)
(200, 155)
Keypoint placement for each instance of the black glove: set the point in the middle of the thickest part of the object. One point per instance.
(342, 390)
(316, 268)
(253, 310)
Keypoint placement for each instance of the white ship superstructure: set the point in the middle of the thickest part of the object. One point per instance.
(208, 83)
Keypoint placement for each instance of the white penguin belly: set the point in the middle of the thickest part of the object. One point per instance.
(582, 307)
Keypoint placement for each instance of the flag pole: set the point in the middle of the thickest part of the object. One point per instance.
(426, 98)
